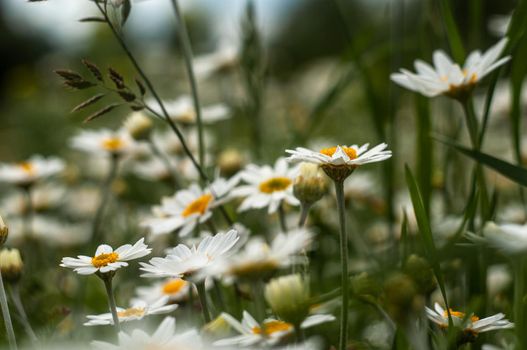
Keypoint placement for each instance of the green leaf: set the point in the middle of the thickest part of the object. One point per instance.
(454, 39)
(426, 233)
(126, 8)
(511, 171)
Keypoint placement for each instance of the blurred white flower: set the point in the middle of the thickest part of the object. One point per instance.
(447, 77)
(470, 324)
(498, 25)
(224, 58)
(44, 197)
(106, 259)
(498, 279)
(182, 111)
(104, 142)
(269, 333)
(188, 207)
(165, 337)
(508, 238)
(176, 289)
(137, 311)
(267, 186)
(184, 261)
(28, 172)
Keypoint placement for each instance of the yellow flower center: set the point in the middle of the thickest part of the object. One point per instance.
(271, 327)
(27, 167)
(112, 144)
(460, 314)
(104, 259)
(198, 206)
(275, 184)
(351, 152)
(174, 286)
(133, 311)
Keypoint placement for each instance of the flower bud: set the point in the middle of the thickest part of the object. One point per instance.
(217, 328)
(421, 272)
(400, 296)
(4, 231)
(230, 162)
(365, 287)
(288, 296)
(310, 184)
(138, 126)
(11, 264)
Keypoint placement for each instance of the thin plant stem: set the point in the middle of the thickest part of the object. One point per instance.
(105, 194)
(259, 299)
(304, 211)
(166, 161)
(7, 317)
(282, 218)
(187, 53)
(29, 211)
(17, 301)
(219, 296)
(519, 303)
(202, 294)
(343, 333)
(107, 279)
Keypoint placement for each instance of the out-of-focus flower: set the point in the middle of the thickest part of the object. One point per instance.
(269, 333)
(28, 172)
(340, 161)
(11, 264)
(43, 197)
(4, 231)
(138, 126)
(498, 25)
(104, 142)
(226, 57)
(472, 324)
(447, 77)
(498, 279)
(310, 184)
(182, 111)
(189, 207)
(137, 311)
(184, 261)
(509, 238)
(154, 169)
(106, 259)
(230, 161)
(288, 297)
(267, 186)
(176, 289)
(165, 337)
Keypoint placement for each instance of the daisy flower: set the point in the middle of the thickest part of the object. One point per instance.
(137, 311)
(188, 207)
(106, 259)
(164, 337)
(269, 333)
(175, 289)
(186, 261)
(509, 238)
(472, 324)
(340, 161)
(182, 111)
(28, 172)
(104, 142)
(267, 186)
(220, 60)
(447, 77)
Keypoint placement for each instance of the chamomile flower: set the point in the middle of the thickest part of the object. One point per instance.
(175, 289)
(509, 238)
(472, 324)
(137, 311)
(267, 186)
(106, 259)
(192, 261)
(104, 142)
(188, 207)
(220, 60)
(269, 333)
(164, 337)
(447, 77)
(28, 172)
(182, 111)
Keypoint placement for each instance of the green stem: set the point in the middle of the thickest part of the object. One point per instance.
(343, 334)
(282, 218)
(105, 195)
(29, 211)
(107, 279)
(7, 317)
(187, 53)
(519, 304)
(259, 299)
(303, 214)
(166, 161)
(17, 301)
(202, 293)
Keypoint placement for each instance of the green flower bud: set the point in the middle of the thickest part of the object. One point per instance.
(365, 287)
(217, 328)
(138, 126)
(311, 184)
(288, 296)
(400, 295)
(4, 231)
(11, 264)
(421, 272)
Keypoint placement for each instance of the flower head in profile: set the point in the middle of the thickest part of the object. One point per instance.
(268, 333)
(182, 111)
(104, 142)
(192, 261)
(188, 207)
(106, 259)
(267, 186)
(472, 325)
(449, 78)
(137, 311)
(164, 338)
(340, 161)
(509, 238)
(30, 171)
